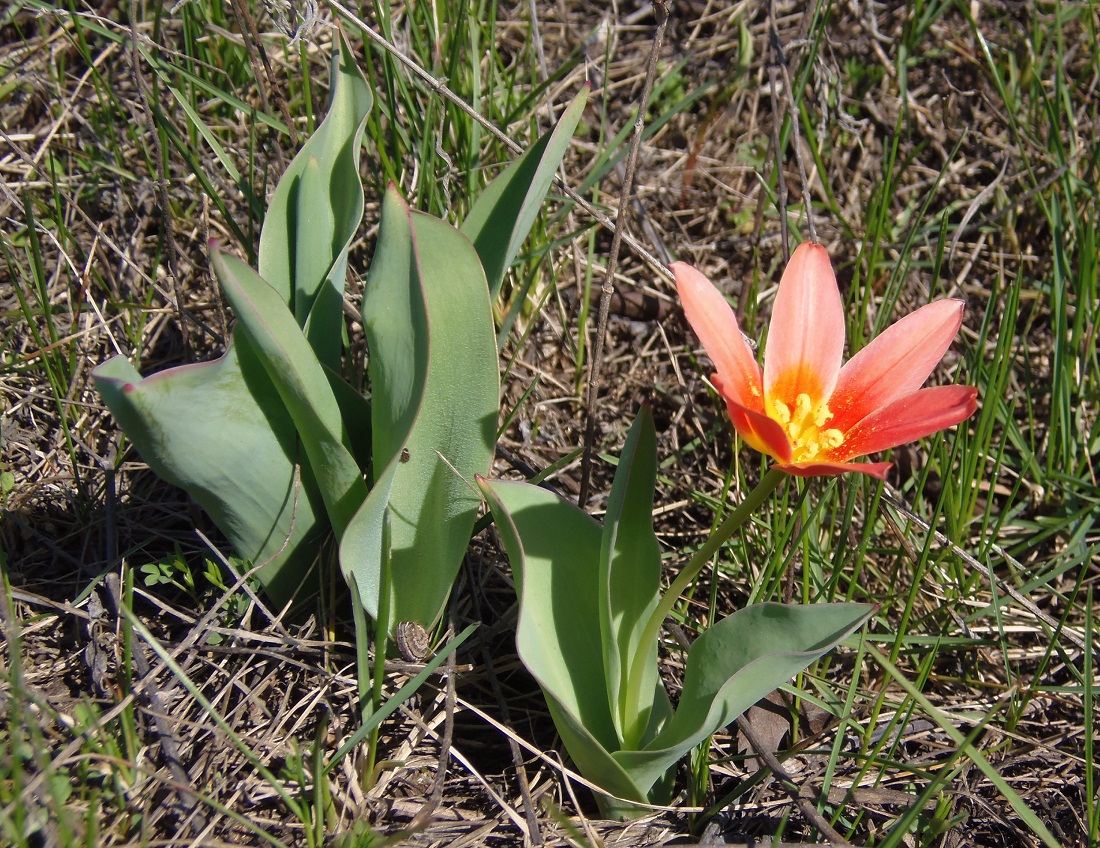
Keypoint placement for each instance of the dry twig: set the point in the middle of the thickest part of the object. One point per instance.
(661, 7)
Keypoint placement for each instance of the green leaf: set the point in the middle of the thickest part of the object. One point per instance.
(554, 549)
(736, 663)
(435, 387)
(396, 326)
(221, 430)
(355, 411)
(315, 212)
(502, 216)
(629, 583)
(207, 429)
(301, 383)
(434, 502)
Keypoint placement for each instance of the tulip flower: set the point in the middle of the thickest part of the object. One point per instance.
(802, 408)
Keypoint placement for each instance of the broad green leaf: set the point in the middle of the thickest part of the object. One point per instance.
(221, 430)
(504, 213)
(435, 387)
(555, 551)
(434, 501)
(629, 581)
(736, 663)
(302, 384)
(315, 212)
(206, 429)
(553, 547)
(597, 765)
(396, 324)
(355, 411)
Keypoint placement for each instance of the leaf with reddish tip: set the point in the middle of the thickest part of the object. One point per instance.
(221, 430)
(197, 429)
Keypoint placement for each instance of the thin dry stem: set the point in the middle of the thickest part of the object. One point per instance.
(661, 8)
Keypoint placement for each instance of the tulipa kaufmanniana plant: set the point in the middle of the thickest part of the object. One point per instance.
(590, 616)
(590, 602)
(290, 461)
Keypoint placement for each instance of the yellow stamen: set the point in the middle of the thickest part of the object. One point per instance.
(804, 427)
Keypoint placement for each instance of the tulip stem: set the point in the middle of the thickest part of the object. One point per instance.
(719, 537)
(689, 572)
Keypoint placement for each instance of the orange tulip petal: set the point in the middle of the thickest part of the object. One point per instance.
(759, 431)
(713, 321)
(822, 469)
(806, 335)
(895, 364)
(912, 417)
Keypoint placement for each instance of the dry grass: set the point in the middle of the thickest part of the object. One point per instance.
(952, 168)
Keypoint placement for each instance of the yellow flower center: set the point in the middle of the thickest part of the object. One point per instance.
(805, 427)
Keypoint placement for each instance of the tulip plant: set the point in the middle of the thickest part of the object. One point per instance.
(298, 467)
(290, 460)
(590, 602)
